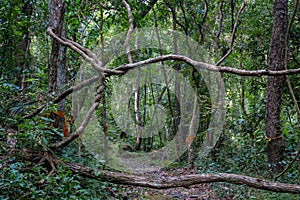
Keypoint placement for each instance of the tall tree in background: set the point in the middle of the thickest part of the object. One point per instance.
(22, 50)
(57, 63)
(275, 85)
(15, 41)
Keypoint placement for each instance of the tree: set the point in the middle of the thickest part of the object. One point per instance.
(15, 44)
(229, 31)
(56, 68)
(125, 67)
(278, 59)
(57, 62)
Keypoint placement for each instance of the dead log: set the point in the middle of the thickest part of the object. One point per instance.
(180, 181)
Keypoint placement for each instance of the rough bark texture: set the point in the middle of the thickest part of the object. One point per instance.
(57, 62)
(179, 181)
(275, 84)
(202, 65)
(61, 70)
(56, 18)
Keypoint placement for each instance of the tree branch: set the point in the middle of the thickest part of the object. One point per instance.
(75, 88)
(85, 121)
(296, 3)
(233, 33)
(203, 20)
(129, 32)
(206, 66)
(179, 181)
(125, 67)
(83, 52)
(174, 17)
(35, 112)
(289, 165)
(200, 25)
(219, 30)
(149, 7)
(63, 95)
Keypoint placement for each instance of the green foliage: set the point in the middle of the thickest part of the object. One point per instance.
(21, 180)
(242, 147)
(237, 155)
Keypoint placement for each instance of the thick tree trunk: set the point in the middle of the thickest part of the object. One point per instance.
(57, 63)
(61, 71)
(275, 84)
(56, 20)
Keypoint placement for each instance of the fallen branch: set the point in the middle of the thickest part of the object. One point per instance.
(179, 181)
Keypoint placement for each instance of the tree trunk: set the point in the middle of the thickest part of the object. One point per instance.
(275, 85)
(57, 63)
(192, 133)
(21, 52)
(137, 111)
(61, 71)
(56, 20)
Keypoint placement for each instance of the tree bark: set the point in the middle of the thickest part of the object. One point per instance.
(192, 133)
(179, 181)
(122, 69)
(275, 85)
(61, 70)
(56, 20)
(137, 111)
(57, 63)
